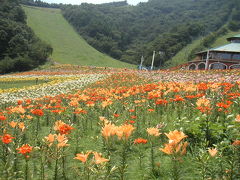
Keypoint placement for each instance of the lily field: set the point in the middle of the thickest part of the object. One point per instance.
(86, 123)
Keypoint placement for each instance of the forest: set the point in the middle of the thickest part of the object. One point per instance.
(20, 48)
(127, 32)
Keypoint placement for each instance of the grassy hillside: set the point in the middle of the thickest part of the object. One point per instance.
(182, 56)
(69, 47)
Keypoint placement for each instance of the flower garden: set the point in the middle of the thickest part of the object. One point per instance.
(95, 123)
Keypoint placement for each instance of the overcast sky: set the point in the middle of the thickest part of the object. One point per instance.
(132, 2)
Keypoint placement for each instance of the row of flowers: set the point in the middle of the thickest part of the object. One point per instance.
(63, 85)
(194, 76)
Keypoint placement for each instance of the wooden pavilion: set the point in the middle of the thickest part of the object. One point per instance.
(223, 57)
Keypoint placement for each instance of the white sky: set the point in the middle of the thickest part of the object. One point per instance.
(132, 2)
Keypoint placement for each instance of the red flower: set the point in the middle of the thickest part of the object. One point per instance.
(3, 118)
(116, 115)
(19, 102)
(178, 98)
(90, 103)
(28, 101)
(161, 101)
(133, 117)
(65, 129)
(151, 110)
(7, 138)
(140, 141)
(25, 149)
(131, 121)
(224, 105)
(38, 112)
(62, 127)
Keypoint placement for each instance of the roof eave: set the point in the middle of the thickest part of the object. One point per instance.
(201, 52)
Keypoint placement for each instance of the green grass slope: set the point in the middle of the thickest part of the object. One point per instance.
(182, 56)
(69, 47)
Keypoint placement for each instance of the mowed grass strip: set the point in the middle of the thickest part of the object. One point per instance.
(69, 47)
(19, 84)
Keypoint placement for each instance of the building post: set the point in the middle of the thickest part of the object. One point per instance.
(153, 60)
(207, 61)
(142, 59)
(160, 63)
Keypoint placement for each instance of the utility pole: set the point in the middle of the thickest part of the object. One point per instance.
(153, 59)
(142, 59)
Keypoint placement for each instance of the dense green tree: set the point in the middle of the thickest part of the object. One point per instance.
(20, 49)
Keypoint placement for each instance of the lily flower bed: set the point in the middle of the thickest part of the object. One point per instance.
(123, 125)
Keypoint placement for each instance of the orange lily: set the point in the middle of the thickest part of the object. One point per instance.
(153, 131)
(175, 136)
(212, 152)
(99, 159)
(82, 157)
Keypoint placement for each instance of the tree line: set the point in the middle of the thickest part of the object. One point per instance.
(39, 3)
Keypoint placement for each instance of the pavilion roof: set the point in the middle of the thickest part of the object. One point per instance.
(232, 47)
